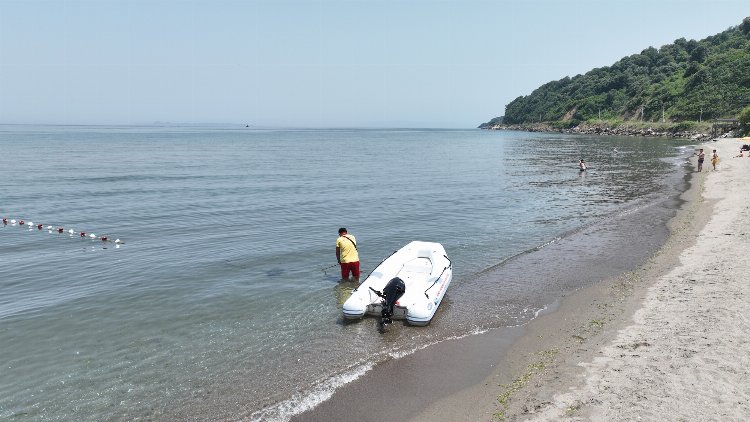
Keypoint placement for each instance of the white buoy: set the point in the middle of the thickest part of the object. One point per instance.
(50, 228)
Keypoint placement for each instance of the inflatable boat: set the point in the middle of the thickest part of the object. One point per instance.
(409, 284)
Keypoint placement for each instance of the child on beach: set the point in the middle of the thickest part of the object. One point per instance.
(714, 159)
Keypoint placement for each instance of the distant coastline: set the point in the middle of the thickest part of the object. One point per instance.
(696, 131)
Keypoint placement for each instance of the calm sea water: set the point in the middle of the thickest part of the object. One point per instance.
(221, 304)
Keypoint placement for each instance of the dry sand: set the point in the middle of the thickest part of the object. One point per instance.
(668, 341)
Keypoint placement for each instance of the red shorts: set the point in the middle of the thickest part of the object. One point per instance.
(346, 267)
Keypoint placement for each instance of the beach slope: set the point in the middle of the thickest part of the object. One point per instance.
(685, 354)
(667, 341)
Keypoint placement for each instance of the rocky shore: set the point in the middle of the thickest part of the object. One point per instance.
(639, 129)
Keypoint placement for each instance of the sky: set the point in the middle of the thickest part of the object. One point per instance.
(317, 63)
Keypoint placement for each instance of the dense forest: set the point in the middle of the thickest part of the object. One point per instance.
(684, 81)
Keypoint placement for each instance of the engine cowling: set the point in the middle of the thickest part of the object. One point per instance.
(392, 292)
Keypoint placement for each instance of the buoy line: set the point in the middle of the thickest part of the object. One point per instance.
(59, 229)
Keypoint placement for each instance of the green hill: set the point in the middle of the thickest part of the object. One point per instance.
(683, 81)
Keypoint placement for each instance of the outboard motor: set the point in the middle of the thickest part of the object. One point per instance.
(391, 293)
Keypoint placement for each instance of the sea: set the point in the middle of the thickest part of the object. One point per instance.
(216, 294)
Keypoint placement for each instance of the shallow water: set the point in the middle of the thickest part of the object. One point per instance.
(217, 305)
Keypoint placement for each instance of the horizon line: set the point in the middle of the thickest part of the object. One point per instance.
(236, 126)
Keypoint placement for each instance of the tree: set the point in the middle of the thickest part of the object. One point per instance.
(745, 119)
(745, 26)
(694, 80)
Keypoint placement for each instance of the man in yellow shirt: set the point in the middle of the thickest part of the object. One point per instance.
(347, 255)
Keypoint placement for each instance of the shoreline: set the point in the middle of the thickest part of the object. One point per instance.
(642, 129)
(429, 381)
(633, 347)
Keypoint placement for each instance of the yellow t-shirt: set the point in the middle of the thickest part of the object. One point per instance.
(348, 253)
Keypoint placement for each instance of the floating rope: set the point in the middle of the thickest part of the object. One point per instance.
(59, 229)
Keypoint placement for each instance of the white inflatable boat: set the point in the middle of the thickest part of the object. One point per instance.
(409, 284)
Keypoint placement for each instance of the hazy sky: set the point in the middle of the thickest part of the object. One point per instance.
(350, 63)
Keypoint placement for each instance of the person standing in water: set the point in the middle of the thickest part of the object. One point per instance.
(347, 255)
(582, 165)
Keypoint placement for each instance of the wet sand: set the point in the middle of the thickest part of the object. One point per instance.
(399, 389)
(669, 338)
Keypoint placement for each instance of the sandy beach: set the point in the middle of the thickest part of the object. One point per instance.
(667, 341)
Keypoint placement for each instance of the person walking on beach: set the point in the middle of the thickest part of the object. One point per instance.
(347, 255)
(701, 156)
(714, 159)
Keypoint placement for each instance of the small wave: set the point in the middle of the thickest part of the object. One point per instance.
(303, 402)
(323, 391)
(539, 311)
(398, 354)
